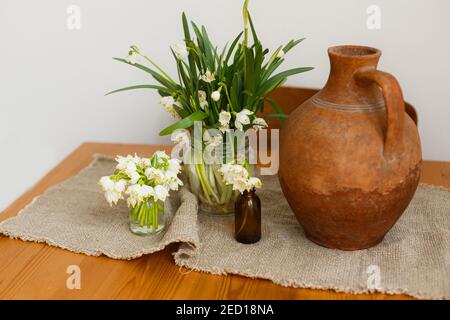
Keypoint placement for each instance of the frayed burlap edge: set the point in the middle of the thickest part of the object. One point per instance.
(183, 254)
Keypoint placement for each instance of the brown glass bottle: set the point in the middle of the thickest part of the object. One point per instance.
(247, 218)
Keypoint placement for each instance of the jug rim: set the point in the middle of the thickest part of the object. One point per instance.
(354, 51)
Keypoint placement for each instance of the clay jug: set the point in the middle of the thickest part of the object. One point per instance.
(350, 156)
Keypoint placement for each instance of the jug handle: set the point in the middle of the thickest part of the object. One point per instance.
(395, 107)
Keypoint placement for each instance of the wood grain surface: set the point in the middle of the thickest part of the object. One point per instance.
(37, 271)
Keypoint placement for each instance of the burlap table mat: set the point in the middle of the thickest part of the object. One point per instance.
(413, 259)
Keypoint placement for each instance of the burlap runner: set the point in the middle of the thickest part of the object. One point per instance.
(413, 259)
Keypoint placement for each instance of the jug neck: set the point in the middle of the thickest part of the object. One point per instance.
(341, 86)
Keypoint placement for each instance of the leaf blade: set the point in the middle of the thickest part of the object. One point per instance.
(141, 86)
(184, 123)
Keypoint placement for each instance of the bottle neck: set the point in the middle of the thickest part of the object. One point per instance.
(341, 87)
(249, 193)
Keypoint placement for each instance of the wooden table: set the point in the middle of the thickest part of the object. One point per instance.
(37, 271)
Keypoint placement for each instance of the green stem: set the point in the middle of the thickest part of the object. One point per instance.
(202, 182)
(142, 213)
(157, 67)
(155, 216)
(207, 182)
(245, 14)
(149, 217)
(229, 105)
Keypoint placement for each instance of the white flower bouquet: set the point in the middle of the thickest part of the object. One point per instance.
(146, 183)
(239, 178)
(223, 89)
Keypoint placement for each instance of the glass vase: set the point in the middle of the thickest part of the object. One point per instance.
(205, 180)
(214, 196)
(147, 218)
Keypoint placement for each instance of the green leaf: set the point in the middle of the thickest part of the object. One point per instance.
(249, 74)
(187, 35)
(190, 45)
(278, 112)
(143, 86)
(208, 50)
(291, 44)
(184, 123)
(291, 72)
(271, 83)
(276, 107)
(281, 116)
(255, 37)
(169, 84)
(233, 45)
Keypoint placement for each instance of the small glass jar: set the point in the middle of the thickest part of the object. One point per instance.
(147, 218)
(247, 221)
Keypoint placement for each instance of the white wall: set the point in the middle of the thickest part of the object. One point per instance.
(52, 79)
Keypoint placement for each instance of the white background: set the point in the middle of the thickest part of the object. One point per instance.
(53, 80)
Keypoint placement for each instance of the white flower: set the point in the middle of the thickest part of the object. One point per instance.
(224, 118)
(106, 183)
(242, 118)
(238, 177)
(201, 95)
(161, 156)
(131, 172)
(280, 54)
(112, 197)
(120, 185)
(224, 128)
(181, 137)
(154, 174)
(112, 190)
(259, 123)
(214, 141)
(171, 110)
(253, 183)
(240, 184)
(203, 104)
(123, 161)
(224, 121)
(232, 172)
(172, 181)
(161, 193)
(132, 57)
(168, 103)
(180, 50)
(174, 166)
(208, 76)
(145, 162)
(138, 194)
(146, 179)
(202, 99)
(215, 95)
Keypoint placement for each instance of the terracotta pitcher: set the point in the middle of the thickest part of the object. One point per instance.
(350, 156)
